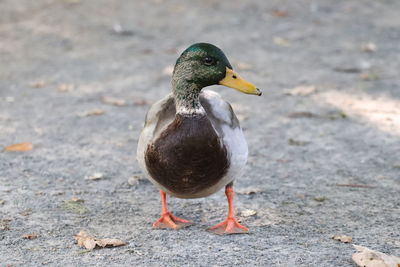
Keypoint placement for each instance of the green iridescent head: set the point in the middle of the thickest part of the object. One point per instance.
(202, 64)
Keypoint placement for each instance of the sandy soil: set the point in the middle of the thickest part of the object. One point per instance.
(324, 159)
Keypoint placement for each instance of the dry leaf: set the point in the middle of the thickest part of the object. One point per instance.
(248, 191)
(301, 90)
(94, 112)
(114, 101)
(267, 216)
(135, 180)
(279, 13)
(75, 199)
(119, 29)
(19, 147)
(57, 193)
(302, 114)
(370, 258)
(38, 84)
(86, 241)
(343, 238)
(281, 41)
(369, 47)
(65, 87)
(248, 213)
(95, 176)
(140, 101)
(30, 236)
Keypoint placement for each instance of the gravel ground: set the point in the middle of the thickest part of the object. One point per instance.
(77, 78)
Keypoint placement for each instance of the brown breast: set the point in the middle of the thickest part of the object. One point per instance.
(188, 156)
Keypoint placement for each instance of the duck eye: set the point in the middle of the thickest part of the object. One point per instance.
(208, 61)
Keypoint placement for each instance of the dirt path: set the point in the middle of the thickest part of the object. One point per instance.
(77, 77)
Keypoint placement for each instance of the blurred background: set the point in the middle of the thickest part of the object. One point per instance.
(77, 77)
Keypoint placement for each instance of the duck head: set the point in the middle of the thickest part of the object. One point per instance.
(204, 64)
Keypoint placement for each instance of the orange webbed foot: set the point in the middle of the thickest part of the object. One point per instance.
(167, 220)
(229, 226)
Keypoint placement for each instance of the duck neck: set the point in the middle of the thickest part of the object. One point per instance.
(187, 97)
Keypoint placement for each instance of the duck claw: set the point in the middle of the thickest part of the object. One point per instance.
(228, 227)
(168, 220)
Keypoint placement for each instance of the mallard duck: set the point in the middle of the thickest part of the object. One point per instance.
(192, 145)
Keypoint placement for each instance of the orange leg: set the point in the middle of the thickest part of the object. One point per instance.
(230, 225)
(167, 220)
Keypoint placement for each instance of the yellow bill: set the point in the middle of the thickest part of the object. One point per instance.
(233, 80)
